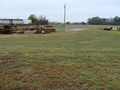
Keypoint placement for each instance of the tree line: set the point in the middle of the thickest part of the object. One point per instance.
(38, 20)
(91, 21)
(104, 21)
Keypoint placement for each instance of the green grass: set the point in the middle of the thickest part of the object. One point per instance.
(65, 60)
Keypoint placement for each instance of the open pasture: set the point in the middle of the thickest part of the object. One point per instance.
(65, 60)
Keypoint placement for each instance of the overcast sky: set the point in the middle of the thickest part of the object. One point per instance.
(77, 10)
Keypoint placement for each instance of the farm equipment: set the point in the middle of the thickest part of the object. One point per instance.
(9, 29)
(6, 30)
(20, 29)
(50, 29)
(112, 28)
(41, 30)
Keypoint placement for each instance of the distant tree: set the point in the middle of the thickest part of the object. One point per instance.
(83, 23)
(104, 21)
(68, 22)
(33, 18)
(110, 21)
(42, 20)
(94, 20)
(116, 20)
(77, 23)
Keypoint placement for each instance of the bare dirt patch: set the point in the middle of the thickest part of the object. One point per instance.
(76, 29)
(92, 41)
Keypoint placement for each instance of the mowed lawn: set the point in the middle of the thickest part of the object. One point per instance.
(64, 60)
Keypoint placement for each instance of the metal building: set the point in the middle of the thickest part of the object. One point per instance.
(14, 21)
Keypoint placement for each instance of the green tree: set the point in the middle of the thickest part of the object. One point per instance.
(68, 22)
(116, 20)
(104, 21)
(33, 18)
(94, 20)
(83, 23)
(42, 20)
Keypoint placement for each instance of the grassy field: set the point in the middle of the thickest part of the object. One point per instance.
(65, 60)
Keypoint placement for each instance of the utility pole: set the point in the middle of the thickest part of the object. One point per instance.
(64, 14)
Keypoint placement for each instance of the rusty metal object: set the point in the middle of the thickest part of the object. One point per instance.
(6, 30)
(9, 29)
(46, 30)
